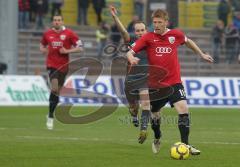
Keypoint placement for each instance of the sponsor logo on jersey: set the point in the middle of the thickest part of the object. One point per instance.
(171, 40)
(161, 50)
(63, 37)
(57, 44)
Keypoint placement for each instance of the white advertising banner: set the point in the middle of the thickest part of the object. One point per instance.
(18, 90)
(32, 91)
(200, 91)
(204, 91)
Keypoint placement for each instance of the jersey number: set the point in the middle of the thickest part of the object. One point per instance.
(182, 92)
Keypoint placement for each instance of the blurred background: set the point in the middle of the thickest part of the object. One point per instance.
(213, 24)
(213, 90)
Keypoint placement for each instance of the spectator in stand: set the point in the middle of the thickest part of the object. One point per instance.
(130, 27)
(223, 11)
(235, 5)
(139, 8)
(231, 42)
(217, 38)
(42, 9)
(56, 7)
(32, 12)
(3, 67)
(236, 20)
(82, 12)
(236, 23)
(23, 15)
(101, 37)
(98, 5)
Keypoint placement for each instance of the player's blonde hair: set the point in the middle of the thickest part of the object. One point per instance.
(159, 13)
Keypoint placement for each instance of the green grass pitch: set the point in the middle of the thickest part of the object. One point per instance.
(112, 142)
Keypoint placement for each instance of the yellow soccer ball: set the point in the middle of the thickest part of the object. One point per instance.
(179, 151)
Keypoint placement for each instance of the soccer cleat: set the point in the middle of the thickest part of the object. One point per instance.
(156, 146)
(142, 136)
(49, 123)
(135, 121)
(193, 150)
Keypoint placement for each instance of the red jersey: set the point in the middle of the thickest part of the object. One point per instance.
(55, 41)
(162, 52)
(23, 5)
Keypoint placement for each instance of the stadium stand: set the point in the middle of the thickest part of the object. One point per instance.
(31, 61)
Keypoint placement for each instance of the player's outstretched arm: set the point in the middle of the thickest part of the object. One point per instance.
(192, 45)
(119, 24)
(131, 59)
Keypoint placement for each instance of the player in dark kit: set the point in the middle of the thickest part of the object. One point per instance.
(136, 78)
(57, 43)
(161, 46)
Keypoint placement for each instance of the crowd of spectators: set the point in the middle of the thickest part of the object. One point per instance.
(32, 13)
(226, 33)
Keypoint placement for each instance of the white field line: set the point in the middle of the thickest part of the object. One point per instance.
(108, 140)
(217, 131)
(7, 128)
(72, 138)
(196, 129)
(102, 139)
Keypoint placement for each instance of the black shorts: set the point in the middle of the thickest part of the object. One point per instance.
(132, 87)
(175, 93)
(136, 79)
(56, 74)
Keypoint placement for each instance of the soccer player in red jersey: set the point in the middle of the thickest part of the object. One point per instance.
(161, 46)
(57, 43)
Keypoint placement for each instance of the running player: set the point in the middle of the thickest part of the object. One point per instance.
(161, 46)
(57, 43)
(135, 78)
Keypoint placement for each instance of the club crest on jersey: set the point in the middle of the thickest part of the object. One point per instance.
(62, 37)
(171, 40)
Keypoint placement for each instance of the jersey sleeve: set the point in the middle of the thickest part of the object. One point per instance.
(140, 44)
(75, 41)
(181, 37)
(131, 41)
(44, 41)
